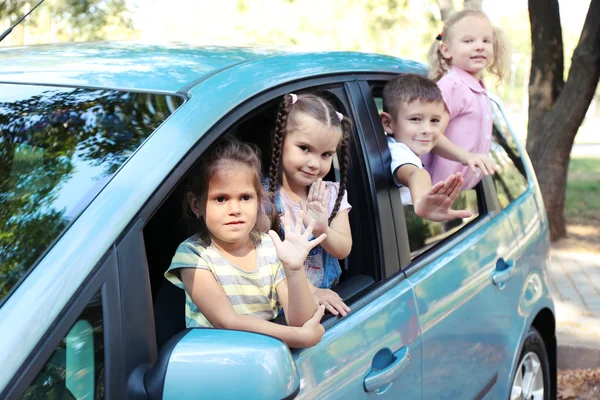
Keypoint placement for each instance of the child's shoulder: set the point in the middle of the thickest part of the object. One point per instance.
(194, 242)
(449, 81)
(266, 248)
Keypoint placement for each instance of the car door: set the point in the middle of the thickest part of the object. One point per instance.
(460, 271)
(375, 349)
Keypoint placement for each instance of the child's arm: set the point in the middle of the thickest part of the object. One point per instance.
(339, 237)
(331, 300)
(296, 296)
(432, 202)
(445, 148)
(211, 300)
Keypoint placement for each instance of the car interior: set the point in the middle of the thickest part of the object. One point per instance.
(165, 230)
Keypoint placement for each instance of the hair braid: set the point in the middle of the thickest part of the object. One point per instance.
(278, 134)
(344, 164)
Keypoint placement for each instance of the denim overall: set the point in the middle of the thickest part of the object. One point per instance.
(329, 275)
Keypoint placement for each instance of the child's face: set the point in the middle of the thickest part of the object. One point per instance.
(470, 45)
(417, 124)
(231, 205)
(308, 150)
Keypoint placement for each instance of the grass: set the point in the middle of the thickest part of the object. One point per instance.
(583, 192)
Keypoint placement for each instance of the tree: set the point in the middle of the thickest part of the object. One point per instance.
(69, 19)
(447, 7)
(556, 107)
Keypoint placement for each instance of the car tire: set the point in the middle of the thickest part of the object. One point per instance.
(532, 376)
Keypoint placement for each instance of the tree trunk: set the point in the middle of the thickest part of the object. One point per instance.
(557, 109)
(472, 4)
(446, 8)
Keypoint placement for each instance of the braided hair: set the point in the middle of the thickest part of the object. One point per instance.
(322, 110)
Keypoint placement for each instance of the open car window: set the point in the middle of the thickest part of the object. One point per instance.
(163, 232)
(423, 234)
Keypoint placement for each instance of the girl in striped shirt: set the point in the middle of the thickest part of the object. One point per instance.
(234, 276)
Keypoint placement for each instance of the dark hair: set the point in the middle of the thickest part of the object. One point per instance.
(226, 152)
(323, 111)
(406, 88)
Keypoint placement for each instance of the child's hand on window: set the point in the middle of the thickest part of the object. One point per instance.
(435, 204)
(312, 331)
(332, 301)
(481, 161)
(294, 249)
(315, 208)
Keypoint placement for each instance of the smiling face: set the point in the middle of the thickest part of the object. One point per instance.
(417, 124)
(308, 149)
(231, 205)
(469, 45)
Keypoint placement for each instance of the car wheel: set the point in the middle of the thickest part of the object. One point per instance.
(532, 376)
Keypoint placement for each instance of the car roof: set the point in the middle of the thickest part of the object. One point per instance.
(168, 68)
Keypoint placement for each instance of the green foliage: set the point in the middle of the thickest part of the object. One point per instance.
(75, 20)
(583, 192)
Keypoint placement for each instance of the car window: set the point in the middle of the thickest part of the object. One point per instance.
(75, 370)
(164, 232)
(59, 147)
(511, 181)
(422, 233)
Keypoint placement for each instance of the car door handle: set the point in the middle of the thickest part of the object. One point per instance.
(377, 379)
(504, 270)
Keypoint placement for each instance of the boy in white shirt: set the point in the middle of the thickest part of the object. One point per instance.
(414, 117)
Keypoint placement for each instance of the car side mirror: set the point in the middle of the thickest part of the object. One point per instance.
(216, 363)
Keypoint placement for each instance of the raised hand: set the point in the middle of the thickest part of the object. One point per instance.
(293, 250)
(435, 204)
(481, 161)
(315, 207)
(332, 301)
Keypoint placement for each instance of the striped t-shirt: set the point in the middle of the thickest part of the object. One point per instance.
(250, 292)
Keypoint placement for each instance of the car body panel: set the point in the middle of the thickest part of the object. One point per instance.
(466, 320)
(172, 68)
(334, 369)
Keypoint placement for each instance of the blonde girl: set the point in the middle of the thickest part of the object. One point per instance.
(467, 46)
(234, 276)
(308, 133)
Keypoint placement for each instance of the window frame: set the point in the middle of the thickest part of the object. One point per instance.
(103, 279)
(525, 173)
(487, 201)
(134, 280)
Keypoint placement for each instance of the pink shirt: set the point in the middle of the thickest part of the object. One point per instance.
(470, 125)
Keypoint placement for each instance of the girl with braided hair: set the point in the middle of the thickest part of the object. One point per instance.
(308, 133)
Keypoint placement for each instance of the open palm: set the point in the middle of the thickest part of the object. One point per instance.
(435, 204)
(315, 208)
(294, 249)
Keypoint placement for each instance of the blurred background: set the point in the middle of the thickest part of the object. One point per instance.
(402, 28)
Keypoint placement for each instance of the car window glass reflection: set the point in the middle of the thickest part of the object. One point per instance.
(58, 148)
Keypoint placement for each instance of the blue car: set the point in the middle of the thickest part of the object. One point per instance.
(96, 141)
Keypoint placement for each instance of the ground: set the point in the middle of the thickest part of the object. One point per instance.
(579, 384)
(583, 235)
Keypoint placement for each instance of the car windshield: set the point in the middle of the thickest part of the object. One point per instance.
(58, 148)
